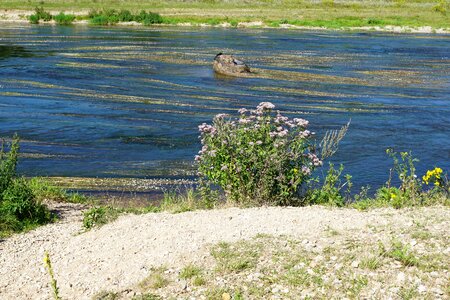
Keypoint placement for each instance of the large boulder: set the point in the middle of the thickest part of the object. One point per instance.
(229, 65)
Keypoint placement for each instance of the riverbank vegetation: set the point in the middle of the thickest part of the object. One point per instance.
(273, 13)
(19, 208)
(22, 200)
(258, 158)
(264, 158)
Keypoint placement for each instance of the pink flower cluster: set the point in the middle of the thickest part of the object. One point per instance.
(315, 160)
(208, 129)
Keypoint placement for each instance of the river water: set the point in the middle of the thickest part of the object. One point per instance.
(126, 102)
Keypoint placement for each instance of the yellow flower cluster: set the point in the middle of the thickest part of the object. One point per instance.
(436, 174)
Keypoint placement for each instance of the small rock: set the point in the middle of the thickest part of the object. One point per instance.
(226, 296)
(437, 291)
(422, 289)
(413, 242)
(434, 274)
(401, 277)
(355, 264)
(333, 258)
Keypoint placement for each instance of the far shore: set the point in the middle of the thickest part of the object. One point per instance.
(21, 17)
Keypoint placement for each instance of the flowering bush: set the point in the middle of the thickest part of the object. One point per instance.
(438, 179)
(260, 157)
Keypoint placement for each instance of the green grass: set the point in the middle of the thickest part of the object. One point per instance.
(328, 14)
(155, 280)
(236, 258)
(190, 271)
(401, 253)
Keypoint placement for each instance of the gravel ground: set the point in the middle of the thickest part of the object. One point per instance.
(120, 254)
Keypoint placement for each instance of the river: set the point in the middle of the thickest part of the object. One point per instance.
(126, 101)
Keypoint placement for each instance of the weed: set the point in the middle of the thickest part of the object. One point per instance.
(105, 295)
(330, 192)
(421, 234)
(190, 271)
(357, 284)
(147, 296)
(189, 200)
(155, 280)
(98, 216)
(408, 293)
(198, 281)
(371, 263)
(401, 253)
(53, 283)
(236, 258)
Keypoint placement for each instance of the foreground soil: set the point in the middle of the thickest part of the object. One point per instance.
(269, 249)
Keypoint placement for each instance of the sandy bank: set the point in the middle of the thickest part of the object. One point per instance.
(119, 255)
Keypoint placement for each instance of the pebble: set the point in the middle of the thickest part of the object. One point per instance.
(401, 277)
(437, 291)
(355, 264)
(422, 289)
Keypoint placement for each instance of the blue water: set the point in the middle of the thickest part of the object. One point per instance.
(126, 102)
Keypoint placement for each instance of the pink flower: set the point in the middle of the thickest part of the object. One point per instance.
(265, 106)
(301, 122)
(221, 116)
(242, 111)
(205, 128)
(306, 170)
(244, 121)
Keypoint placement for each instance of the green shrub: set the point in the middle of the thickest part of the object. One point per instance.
(152, 18)
(330, 193)
(98, 216)
(92, 14)
(99, 20)
(8, 163)
(441, 7)
(141, 16)
(18, 200)
(63, 19)
(125, 16)
(113, 19)
(234, 23)
(34, 19)
(259, 158)
(43, 15)
(19, 208)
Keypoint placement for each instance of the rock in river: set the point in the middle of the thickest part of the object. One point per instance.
(229, 65)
